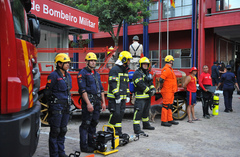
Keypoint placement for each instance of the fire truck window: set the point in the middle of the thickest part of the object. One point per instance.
(20, 19)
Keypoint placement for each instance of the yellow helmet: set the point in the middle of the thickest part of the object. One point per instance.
(169, 58)
(62, 57)
(91, 56)
(144, 60)
(124, 56)
(111, 48)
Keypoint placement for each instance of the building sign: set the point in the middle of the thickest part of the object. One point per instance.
(60, 13)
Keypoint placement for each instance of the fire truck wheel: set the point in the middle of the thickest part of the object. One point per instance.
(44, 113)
(179, 110)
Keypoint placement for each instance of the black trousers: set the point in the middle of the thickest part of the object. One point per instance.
(207, 101)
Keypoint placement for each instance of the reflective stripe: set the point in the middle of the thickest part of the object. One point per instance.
(146, 90)
(145, 119)
(136, 122)
(142, 96)
(128, 91)
(110, 95)
(113, 78)
(110, 117)
(118, 125)
(152, 86)
(115, 90)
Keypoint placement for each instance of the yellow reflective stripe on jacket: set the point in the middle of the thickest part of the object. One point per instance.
(128, 91)
(115, 90)
(138, 79)
(113, 78)
(141, 96)
(152, 86)
(145, 119)
(146, 90)
(110, 95)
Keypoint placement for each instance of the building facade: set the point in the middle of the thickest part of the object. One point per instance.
(170, 30)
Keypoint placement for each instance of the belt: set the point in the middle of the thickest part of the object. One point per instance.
(136, 56)
(59, 101)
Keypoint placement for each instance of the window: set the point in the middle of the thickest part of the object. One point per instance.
(182, 8)
(154, 57)
(227, 4)
(20, 20)
(154, 11)
(182, 57)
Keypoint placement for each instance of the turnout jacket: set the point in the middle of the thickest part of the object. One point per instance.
(142, 84)
(118, 83)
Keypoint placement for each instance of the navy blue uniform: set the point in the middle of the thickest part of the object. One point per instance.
(228, 79)
(215, 75)
(87, 83)
(59, 105)
(238, 78)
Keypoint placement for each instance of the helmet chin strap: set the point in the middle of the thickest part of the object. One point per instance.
(90, 66)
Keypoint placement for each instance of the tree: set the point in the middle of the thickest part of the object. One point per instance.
(111, 13)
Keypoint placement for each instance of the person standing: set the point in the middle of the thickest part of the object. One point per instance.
(92, 94)
(228, 80)
(238, 77)
(111, 60)
(168, 85)
(136, 50)
(58, 94)
(205, 81)
(215, 74)
(118, 91)
(190, 85)
(144, 89)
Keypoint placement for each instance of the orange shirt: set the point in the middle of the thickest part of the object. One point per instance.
(170, 81)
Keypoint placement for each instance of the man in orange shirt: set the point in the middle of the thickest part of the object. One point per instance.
(168, 82)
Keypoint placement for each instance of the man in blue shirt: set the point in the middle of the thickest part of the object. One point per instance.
(92, 94)
(228, 80)
(215, 74)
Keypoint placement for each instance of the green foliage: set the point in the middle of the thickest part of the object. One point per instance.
(80, 43)
(111, 13)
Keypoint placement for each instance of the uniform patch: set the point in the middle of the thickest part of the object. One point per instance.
(59, 79)
(49, 81)
(79, 75)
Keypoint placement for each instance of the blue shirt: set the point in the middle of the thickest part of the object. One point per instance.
(228, 79)
(86, 81)
(58, 85)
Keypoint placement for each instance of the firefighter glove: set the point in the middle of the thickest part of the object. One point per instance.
(127, 100)
(152, 92)
(118, 101)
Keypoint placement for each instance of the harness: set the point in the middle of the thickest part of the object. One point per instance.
(135, 51)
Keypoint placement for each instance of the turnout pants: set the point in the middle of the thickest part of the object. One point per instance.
(141, 111)
(168, 99)
(117, 113)
(88, 127)
(58, 120)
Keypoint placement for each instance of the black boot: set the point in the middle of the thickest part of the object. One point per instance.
(137, 129)
(87, 150)
(118, 131)
(63, 155)
(173, 122)
(146, 125)
(166, 124)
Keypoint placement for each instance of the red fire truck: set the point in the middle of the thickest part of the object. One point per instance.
(180, 105)
(19, 78)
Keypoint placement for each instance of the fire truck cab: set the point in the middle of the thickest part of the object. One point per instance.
(19, 79)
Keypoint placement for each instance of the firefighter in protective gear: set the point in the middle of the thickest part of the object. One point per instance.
(144, 89)
(92, 94)
(168, 85)
(111, 60)
(58, 94)
(118, 91)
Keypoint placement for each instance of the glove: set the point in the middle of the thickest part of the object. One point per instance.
(127, 100)
(118, 101)
(152, 92)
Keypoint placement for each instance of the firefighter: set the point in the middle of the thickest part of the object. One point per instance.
(118, 91)
(168, 85)
(111, 60)
(92, 94)
(136, 49)
(144, 89)
(58, 94)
